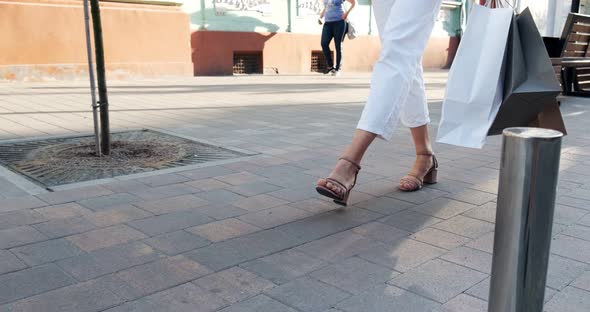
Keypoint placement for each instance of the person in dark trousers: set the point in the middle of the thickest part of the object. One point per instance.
(334, 28)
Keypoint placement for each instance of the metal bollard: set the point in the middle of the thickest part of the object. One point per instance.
(524, 219)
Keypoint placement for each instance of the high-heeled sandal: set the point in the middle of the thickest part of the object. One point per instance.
(340, 198)
(416, 183)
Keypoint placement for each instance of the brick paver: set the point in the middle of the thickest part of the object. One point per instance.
(253, 235)
(285, 266)
(20, 217)
(234, 284)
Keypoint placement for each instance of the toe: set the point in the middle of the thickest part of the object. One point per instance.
(406, 185)
(334, 188)
(330, 186)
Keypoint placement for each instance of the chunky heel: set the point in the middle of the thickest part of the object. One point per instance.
(411, 183)
(430, 178)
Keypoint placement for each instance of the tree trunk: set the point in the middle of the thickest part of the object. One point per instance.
(101, 79)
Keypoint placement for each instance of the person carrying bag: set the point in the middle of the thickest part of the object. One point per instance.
(334, 28)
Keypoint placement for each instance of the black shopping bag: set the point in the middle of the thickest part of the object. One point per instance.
(530, 85)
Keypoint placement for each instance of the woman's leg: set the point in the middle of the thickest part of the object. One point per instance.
(424, 152)
(404, 39)
(414, 115)
(344, 171)
(404, 36)
(339, 33)
(327, 35)
(381, 10)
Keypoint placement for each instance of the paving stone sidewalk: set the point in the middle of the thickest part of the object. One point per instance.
(252, 235)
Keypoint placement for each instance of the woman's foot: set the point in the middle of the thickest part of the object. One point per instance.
(340, 182)
(424, 171)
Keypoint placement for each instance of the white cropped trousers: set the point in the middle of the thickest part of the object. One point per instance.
(397, 86)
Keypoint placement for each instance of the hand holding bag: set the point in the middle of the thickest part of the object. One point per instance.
(350, 29)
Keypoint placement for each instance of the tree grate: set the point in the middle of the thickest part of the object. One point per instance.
(59, 161)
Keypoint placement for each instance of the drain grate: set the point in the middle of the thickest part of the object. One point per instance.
(318, 61)
(248, 62)
(53, 162)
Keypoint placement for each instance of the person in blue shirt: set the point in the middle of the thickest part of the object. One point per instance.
(334, 28)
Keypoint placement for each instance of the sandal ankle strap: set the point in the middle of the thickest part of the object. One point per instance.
(433, 158)
(354, 163)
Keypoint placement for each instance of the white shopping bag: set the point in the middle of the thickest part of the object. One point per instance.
(474, 89)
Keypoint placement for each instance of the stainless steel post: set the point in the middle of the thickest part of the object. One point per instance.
(524, 219)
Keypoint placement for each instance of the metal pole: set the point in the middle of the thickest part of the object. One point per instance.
(102, 82)
(289, 19)
(524, 218)
(92, 79)
(203, 16)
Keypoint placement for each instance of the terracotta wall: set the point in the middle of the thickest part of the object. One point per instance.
(45, 39)
(291, 53)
